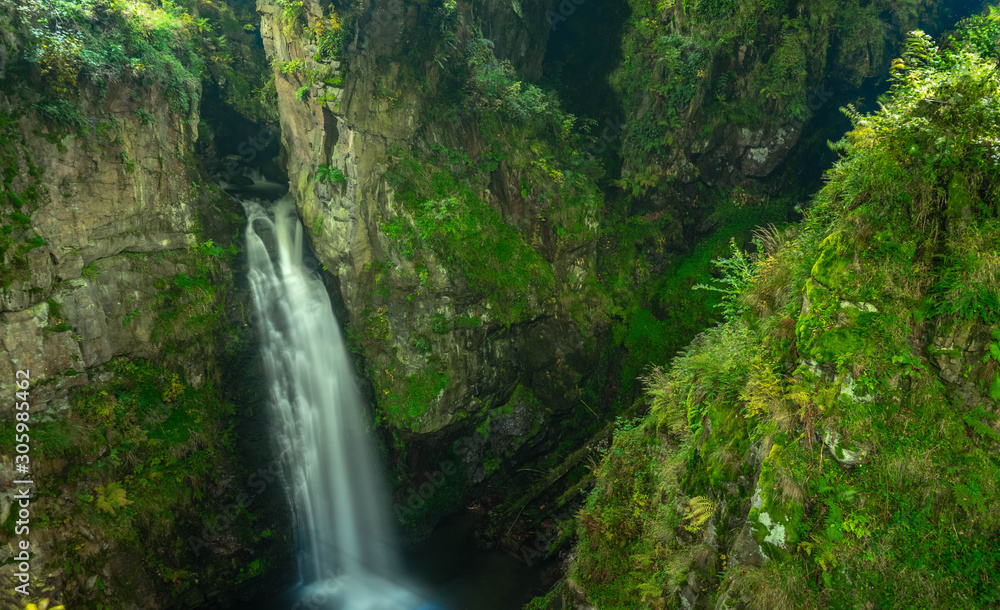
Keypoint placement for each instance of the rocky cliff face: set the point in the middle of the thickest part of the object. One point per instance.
(121, 189)
(124, 312)
(367, 141)
(720, 92)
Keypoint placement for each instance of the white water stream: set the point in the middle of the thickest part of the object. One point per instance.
(346, 546)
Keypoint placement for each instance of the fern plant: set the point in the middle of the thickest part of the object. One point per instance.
(737, 272)
(699, 510)
(111, 497)
(325, 173)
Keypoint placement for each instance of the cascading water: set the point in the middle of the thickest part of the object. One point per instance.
(345, 540)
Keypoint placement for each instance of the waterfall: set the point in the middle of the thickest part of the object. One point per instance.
(344, 536)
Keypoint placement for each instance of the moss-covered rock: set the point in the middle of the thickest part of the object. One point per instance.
(855, 386)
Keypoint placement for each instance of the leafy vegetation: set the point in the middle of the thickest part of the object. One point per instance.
(140, 440)
(143, 444)
(707, 67)
(470, 237)
(94, 45)
(334, 175)
(737, 272)
(495, 85)
(446, 226)
(842, 419)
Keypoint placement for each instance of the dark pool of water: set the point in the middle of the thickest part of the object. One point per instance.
(468, 578)
(452, 574)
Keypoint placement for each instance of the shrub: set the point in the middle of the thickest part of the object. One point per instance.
(293, 66)
(494, 84)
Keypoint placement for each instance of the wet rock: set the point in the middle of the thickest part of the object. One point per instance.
(689, 592)
(745, 550)
(729, 600)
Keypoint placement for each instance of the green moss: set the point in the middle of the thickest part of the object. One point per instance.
(439, 324)
(466, 322)
(898, 512)
(779, 519)
(89, 271)
(407, 399)
(491, 463)
(729, 440)
(830, 268)
(483, 429)
(417, 514)
(521, 395)
(470, 238)
(646, 340)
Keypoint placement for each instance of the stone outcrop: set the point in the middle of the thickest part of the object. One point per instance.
(106, 199)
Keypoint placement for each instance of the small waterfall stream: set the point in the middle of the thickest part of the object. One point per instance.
(346, 546)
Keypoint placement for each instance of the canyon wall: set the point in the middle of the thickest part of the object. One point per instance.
(119, 300)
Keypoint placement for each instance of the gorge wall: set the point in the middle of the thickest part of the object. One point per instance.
(832, 442)
(120, 300)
